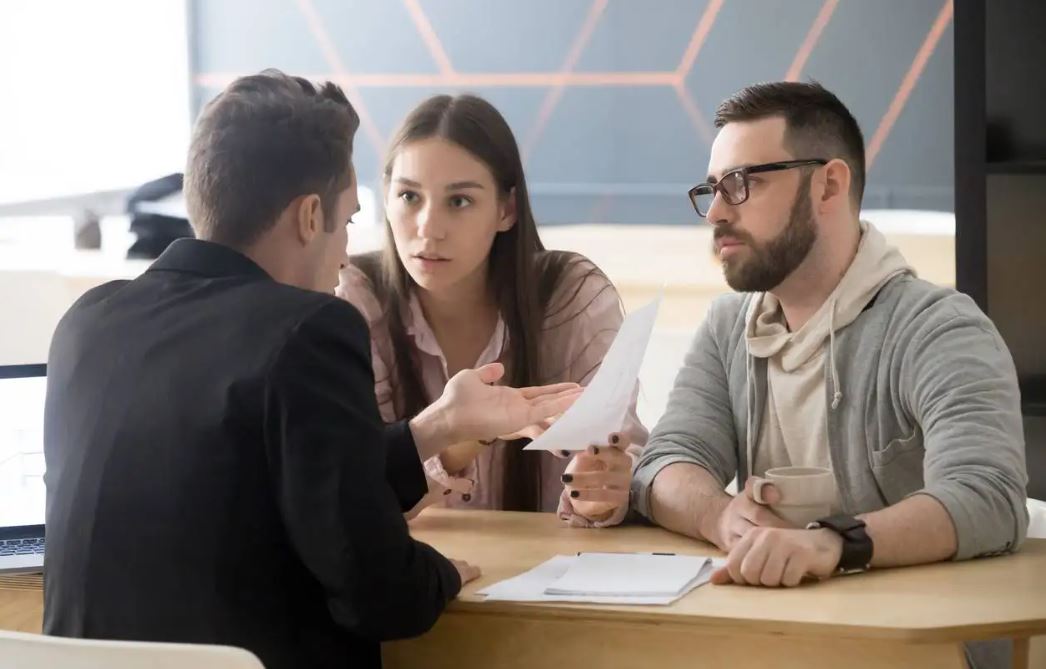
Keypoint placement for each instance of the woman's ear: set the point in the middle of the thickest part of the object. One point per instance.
(507, 211)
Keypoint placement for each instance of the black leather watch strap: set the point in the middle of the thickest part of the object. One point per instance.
(857, 545)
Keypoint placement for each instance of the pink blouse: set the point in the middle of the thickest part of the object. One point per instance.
(575, 340)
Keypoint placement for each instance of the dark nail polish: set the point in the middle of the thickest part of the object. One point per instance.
(595, 450)
(447, 491)
(466, 498)
(565, 454)
(575, 494)
(567, 478)
(615, 439)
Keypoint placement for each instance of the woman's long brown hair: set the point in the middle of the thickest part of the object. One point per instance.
(523, 275)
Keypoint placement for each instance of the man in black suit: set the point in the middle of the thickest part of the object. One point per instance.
(217, 471)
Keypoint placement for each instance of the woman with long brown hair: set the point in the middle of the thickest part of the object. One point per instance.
(464, 281)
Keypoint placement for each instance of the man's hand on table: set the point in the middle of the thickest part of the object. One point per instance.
(774, 557)
(466, 571)
(764, 549)
(742, 513)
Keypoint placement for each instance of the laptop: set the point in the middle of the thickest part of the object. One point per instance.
(22, 494)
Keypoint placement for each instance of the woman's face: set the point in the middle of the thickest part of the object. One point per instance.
(445, 209)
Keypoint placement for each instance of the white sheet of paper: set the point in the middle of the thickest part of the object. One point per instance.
(601, 408)
(531, 585)
(631, 575)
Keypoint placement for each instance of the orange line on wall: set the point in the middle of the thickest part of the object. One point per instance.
(701, 124)
(554, 94)
(330, 54)
(697, 40)
(429, 36)
(909, 82)
(447, 77)
(811, 39)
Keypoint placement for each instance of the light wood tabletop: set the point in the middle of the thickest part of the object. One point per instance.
(962, 601)
(903, 617)
(916, 617)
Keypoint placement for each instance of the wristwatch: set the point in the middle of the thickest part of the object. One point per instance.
(857, 545)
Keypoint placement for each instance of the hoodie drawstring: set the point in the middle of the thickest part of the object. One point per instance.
(837, 395)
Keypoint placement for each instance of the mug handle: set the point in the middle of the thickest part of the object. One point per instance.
(757, 489)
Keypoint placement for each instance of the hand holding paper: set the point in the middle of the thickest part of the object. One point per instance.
(602, 407)
(597, 481)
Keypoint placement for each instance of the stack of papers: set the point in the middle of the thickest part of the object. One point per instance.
(608, 578)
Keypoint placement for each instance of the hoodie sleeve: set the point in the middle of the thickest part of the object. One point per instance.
(961, 386)
(698, 424)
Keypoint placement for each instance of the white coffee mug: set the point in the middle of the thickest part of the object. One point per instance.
(806, 493)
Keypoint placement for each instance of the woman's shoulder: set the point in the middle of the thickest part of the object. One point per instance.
(572, 286)
(582, 317)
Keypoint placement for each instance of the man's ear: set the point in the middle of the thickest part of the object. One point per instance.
(837, 177)
(507, 212)
(308, 217)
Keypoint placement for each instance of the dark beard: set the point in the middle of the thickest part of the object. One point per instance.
(771, 262)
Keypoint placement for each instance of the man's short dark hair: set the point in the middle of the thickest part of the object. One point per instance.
(818, 124)
(263, 141)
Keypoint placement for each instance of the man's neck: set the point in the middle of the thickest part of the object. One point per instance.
(273, 260)
(808, 287)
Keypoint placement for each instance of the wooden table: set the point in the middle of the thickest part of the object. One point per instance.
(915, 617)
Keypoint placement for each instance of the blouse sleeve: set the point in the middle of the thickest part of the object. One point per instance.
(356, 288)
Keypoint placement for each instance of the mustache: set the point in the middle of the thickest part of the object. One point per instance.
(731, 231)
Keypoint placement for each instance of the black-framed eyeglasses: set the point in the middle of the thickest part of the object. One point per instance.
(734, 184)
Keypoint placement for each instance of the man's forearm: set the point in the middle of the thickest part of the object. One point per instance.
(433, 436)
(687, 499)
(917, 530)
(432, 432)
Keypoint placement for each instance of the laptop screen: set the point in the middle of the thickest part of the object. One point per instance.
(22, 497)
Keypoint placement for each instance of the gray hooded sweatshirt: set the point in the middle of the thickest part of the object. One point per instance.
(922, 398)
(795, 418)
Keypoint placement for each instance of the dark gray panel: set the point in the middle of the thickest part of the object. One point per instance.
(1035, 450)
(1016, 271)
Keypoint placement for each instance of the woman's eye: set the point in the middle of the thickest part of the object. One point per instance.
(460, 202)
(409, 196)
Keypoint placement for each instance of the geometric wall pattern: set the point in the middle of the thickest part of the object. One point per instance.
(611, 100)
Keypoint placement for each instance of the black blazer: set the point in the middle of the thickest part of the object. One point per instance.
(218, 472)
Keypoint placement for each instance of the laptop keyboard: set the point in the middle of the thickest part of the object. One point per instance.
(21, 546)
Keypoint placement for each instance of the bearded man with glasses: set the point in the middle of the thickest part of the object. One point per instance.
(831, 355)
